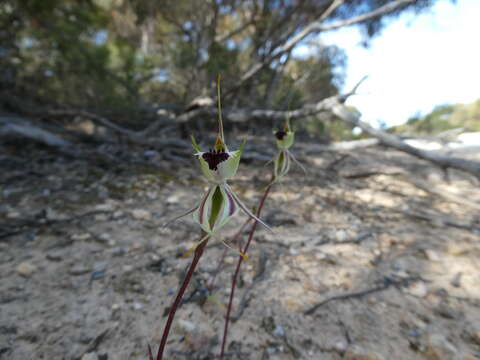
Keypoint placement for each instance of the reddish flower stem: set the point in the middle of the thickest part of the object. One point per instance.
(178, 299)
(232, 241)
(237, 270)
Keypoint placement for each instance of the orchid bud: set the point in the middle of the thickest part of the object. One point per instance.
(285, 139)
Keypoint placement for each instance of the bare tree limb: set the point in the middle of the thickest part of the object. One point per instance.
(444, 194)
(318, 26)
(388, 8)
(236, 31)
(342, 145)
(393, 141)
(14, 126)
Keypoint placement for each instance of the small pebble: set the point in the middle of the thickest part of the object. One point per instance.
(186, 326)
(137, 306)
(79, 269)
(418, 289)
(279, 331)
(341, 235)
(172, 199)
(439, 348)
(128, 268)
(118, 214)
(81, 236)
(26, 269)
(105, 237)
(432, 255)
(141, 214)
(457, 280)
(356, 352)
(54, 256)
(119, 251)
(90, 356)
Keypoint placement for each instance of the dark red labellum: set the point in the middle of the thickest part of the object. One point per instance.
(280, 134)
(215, 157)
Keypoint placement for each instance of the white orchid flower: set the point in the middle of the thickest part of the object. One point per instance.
(285, 139)
(220, 203)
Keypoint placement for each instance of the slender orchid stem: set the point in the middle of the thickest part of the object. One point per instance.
(177, 302)
(233, 240)
(237, 270)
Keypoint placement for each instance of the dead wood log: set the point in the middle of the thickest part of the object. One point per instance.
(444, 194)
(342, 145)
(445, 162)
(12, 126)
(422, 185)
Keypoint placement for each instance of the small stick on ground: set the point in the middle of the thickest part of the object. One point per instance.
(387, 283)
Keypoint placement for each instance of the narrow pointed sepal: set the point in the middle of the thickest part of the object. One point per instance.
(245, 209)
(180, 216)
(298, 163)
(195, 146)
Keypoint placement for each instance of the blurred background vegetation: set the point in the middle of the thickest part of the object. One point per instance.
(128, 60)
(443, 118)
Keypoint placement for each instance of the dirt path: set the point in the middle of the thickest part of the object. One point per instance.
(387, 270)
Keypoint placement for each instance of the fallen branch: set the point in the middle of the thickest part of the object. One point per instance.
(386, 283)
(440, 221)
(422, 185)
(343, 145)
(40, 220)
(14, 126)
(447, 195)
(393, 141)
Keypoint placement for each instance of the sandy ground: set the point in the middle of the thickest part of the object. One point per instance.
(87, 271)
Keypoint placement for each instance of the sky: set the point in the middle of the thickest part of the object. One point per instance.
(416, 63)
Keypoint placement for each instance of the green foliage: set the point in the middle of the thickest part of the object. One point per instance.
(443, 118)
(115, 56)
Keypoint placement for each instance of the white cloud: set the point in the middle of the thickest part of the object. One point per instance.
(418, 62)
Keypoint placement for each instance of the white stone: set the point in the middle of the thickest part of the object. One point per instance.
(81, 236)
(439, 348)
(141, 214)
(26, 269)
(90, 356)
(186, 326)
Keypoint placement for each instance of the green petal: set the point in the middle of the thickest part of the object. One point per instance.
(195, 145)
(209, 174)
(228, 168)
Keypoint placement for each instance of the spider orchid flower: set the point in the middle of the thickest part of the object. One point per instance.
(285, 139)
(219, 204)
